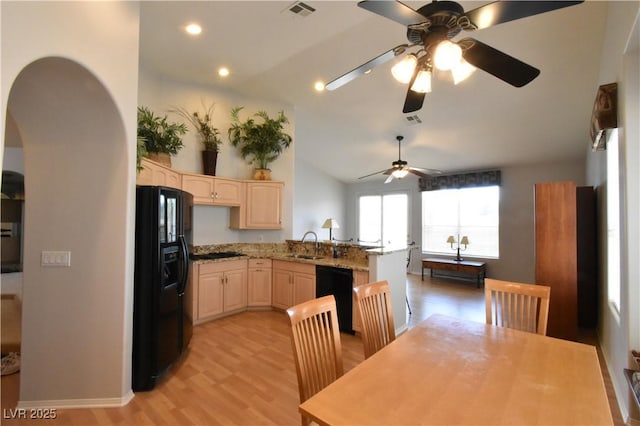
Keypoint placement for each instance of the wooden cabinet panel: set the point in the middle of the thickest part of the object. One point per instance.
(210, 295)
(218, 287)
(293, 283)
(259, 282)
(561, 223)
(213, 191)
(235, 289)
(262, 206)
(156, 174)
(359, 278)
(282, 295)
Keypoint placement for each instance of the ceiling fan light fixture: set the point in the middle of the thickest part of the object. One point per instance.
(399, 173)
(422, 83)
(403, 70)
(462, 71)
(447, 55)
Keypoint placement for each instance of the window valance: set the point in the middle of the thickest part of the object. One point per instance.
(460, 180)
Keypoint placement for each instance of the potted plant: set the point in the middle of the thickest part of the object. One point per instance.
(141, 152)
(261, 142)
(161, 138)
(208, 134)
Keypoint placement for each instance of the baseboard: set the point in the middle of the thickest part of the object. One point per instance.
(79, 403)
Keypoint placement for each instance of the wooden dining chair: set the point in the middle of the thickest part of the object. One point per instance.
(315, 337)
(374, 304)
(517, 305)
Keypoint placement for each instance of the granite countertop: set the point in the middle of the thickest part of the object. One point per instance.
(324, 261)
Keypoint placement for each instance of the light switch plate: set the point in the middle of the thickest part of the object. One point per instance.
(56, 258)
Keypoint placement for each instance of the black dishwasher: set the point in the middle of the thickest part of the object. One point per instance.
(339, 283)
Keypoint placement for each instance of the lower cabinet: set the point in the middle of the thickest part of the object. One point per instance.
(293, 283)
(259, 285)
(359, 278)
(218, 288)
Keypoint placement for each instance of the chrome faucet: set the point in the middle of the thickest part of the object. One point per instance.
(316, 239)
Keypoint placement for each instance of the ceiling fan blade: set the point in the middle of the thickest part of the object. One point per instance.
(389, 179)
(424, 172)
(371, 174)
(414, 100)
(500, 12)
(364, 68)
(497, 63)
(394, 10)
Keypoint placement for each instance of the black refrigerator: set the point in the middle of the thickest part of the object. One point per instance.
(161, 327)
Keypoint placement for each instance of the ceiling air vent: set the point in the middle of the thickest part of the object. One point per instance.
(301, 9)
(413, 119)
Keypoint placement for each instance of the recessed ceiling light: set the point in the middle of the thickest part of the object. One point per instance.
(193, 29)
(319, 86)
(223, 72)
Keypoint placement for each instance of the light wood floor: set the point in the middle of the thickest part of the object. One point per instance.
(239, 370)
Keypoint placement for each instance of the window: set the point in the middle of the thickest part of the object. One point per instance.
(613, 220)
(384, 218)
(471, 212)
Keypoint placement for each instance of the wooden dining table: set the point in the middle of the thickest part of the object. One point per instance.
(449, 371)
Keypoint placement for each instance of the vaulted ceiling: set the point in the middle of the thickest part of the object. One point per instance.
(480, 123)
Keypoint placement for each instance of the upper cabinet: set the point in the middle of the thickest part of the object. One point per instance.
(212, 191)
(262, 206)
(156, 174)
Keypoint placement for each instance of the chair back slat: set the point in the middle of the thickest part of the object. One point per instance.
(315, 339)
(517, 305)
(374, 304)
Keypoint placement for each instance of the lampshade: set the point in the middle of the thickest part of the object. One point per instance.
(331, 224)
(422, 83)
(399, 173)
(461, 71)
(451, 239)
(464, 240)
(403, 70)
(447, 55)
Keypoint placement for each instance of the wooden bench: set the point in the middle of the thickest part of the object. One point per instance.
(464, 267)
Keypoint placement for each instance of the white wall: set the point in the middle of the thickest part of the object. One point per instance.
(317, 197)
(517, 236)
(74, 107)
(620, 332)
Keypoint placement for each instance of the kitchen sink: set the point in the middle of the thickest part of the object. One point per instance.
(305, 256)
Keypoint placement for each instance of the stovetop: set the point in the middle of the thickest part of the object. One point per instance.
(219, 255)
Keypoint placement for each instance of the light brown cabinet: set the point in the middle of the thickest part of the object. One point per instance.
(293, 283)
(359, 278)
(217, 288)
(156, 174)
(565, 257)
(259, 283)
(261, 207)
(212, 191)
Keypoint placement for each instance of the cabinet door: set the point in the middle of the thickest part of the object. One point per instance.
(259, 287)
(235, 289)
(282, 289)
(201, 187)
(359, 278)
(304, 286)
(264, 205)
(227, 192)
(210, 294)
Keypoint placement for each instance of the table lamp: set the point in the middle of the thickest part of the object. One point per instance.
(331, 224)
(464, 241)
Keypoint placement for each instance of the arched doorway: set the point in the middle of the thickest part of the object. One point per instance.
(75, 321)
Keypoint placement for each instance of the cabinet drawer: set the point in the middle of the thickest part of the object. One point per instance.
(259, 263)
(303, 268)
(227, 265)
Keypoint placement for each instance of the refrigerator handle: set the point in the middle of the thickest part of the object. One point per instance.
(184, 265)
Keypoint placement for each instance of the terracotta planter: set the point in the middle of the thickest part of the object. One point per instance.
(209, 161)
(160, 157)
(262, 174)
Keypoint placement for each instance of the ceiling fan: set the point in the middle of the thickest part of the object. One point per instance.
(431, 29)
(400, 169)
